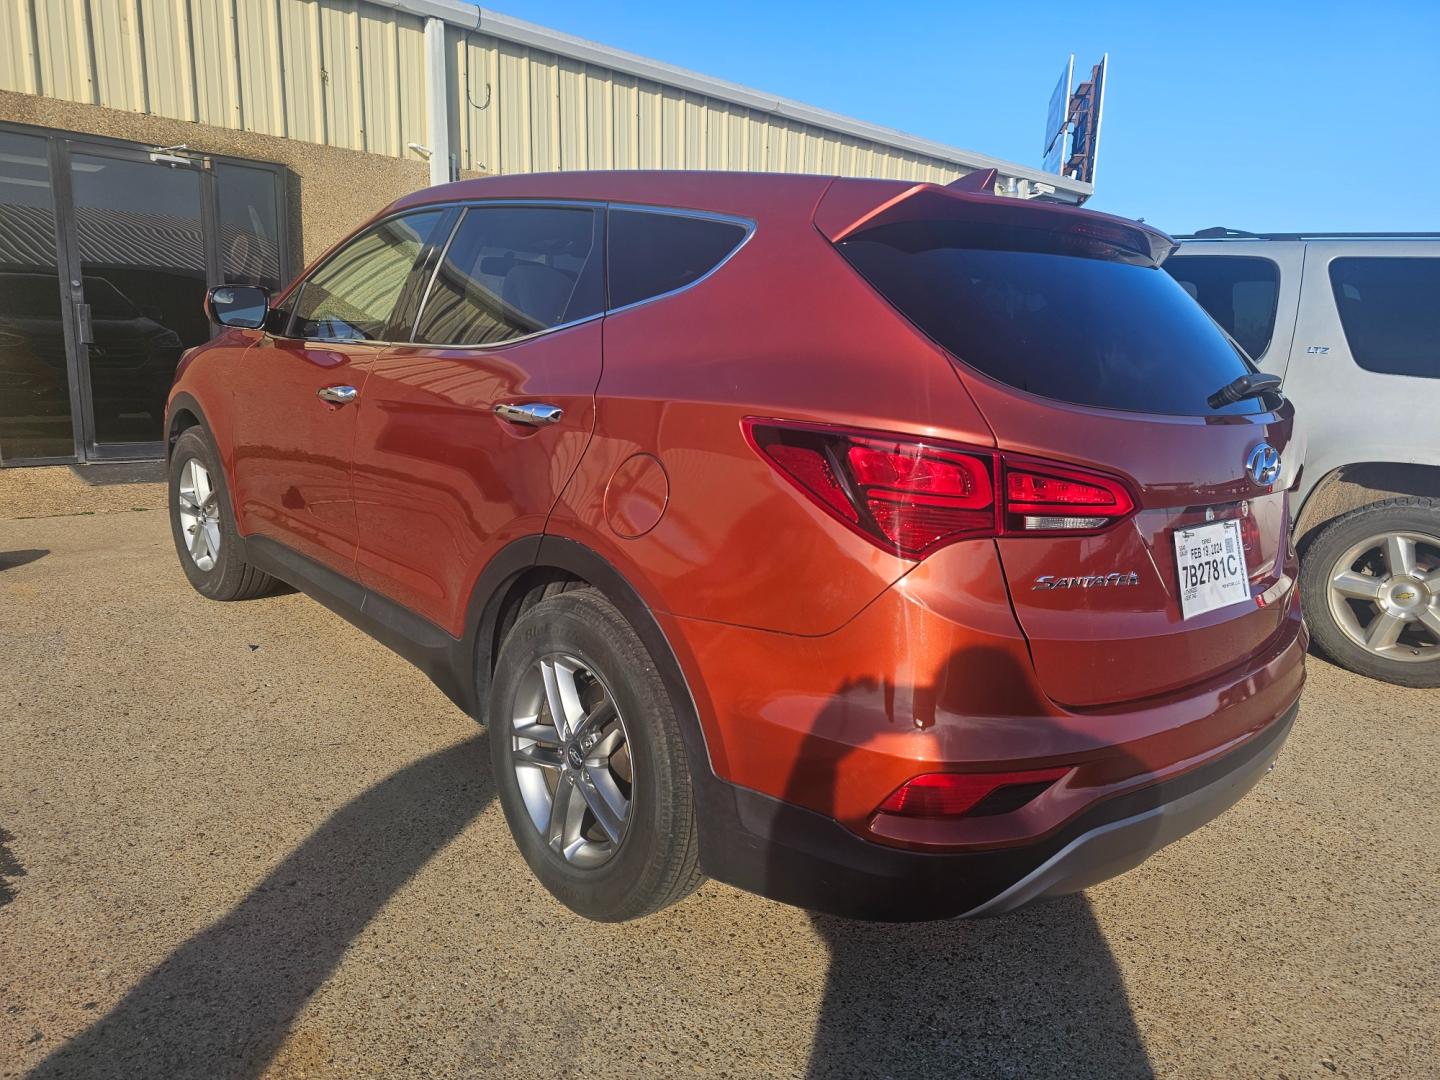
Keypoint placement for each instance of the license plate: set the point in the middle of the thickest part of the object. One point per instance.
(1211, 561)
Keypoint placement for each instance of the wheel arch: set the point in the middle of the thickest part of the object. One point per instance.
(1351, 485)
(184, 413)
(536, 565)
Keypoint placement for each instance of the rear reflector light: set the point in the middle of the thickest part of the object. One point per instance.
(968, 794)
(911, 496)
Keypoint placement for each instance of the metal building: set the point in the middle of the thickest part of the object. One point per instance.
(263, 130)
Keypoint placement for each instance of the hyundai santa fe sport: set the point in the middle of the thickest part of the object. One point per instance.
(888, 549)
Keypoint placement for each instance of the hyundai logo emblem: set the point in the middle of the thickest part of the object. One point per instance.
(1263, 464)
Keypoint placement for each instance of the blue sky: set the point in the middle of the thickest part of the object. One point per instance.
(1267, 117)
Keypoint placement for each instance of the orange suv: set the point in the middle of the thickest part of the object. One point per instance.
(894, 550)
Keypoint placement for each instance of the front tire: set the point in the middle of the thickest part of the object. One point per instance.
(589, 761)
(1370, 586)
(203, 525)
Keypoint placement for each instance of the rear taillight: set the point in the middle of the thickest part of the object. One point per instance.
(968, 794)
(912, 496)
(1041, 497)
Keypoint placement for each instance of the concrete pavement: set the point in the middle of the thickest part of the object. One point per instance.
(243, 839)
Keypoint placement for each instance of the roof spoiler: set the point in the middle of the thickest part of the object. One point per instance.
(852, 207)
(981, 182)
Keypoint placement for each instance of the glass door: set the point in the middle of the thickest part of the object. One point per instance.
(38, 398)
(106, 250)
(138, 242)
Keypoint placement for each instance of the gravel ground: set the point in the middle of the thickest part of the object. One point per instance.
(245, 840)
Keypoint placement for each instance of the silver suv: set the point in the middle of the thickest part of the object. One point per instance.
(1352, 324)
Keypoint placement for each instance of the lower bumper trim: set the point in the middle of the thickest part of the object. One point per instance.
(799, 857)
(1110, 850)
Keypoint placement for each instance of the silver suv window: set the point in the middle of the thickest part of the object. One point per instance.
(1239, 292)
(1390, 309)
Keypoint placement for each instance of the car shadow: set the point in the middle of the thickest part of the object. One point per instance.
(224, 1001)
(9, 560)
(1036, 992)
(1033, 993)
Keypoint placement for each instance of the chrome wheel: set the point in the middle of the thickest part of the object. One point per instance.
(1384, 593)
(199, 514)
(572, 760)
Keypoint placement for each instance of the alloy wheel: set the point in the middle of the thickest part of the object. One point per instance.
(1384, 593)
(199, 514)
(571, 757)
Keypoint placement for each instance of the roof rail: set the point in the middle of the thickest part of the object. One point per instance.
(1220, 232)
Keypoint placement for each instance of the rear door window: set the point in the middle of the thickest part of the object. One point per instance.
(1390, 309)
(1053, 316)
(513, 271)
(351, 296)
(1239, 291)
(653, 252)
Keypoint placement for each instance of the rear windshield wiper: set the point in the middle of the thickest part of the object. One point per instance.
(1246, 386)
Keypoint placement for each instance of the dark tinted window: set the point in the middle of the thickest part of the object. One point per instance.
(1390, 309)
(1088, 330)
(1238, 291)
(511, 271)
(653, 253)
(351, 296)
(249, 225)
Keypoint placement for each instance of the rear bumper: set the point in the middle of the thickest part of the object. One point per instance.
(801, 857)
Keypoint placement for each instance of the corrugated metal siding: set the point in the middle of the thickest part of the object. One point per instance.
(339, 72)
(349, 73)
(548, 112)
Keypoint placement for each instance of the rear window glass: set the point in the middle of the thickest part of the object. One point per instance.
(1090, 331)
(653, 252)
(1390, 309)
(1239, 292)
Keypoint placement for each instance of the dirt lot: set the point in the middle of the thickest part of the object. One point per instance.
(244, 839)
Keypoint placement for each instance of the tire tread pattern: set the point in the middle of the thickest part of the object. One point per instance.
(1330, 541)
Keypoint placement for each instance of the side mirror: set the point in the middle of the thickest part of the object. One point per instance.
(244, 306)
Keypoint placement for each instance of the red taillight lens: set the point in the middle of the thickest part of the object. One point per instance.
(975, 794)
(914, 467)
(1040, 497)
(905, 495)
(911, 496)
(810, 467)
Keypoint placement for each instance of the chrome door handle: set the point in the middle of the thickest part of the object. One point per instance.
(534, 415)
(337, 395)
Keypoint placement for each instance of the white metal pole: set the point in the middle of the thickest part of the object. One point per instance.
(437, 102)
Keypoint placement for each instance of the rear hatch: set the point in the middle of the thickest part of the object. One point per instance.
(1080, 351)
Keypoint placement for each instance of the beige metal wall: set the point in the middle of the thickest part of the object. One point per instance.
(548, 112)
(350, 74)
(337, 72)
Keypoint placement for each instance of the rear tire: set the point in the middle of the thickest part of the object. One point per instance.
(623, 842)
(202, 524)
(1370, 586)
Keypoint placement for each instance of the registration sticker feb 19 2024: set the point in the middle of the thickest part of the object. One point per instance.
(1211, 562)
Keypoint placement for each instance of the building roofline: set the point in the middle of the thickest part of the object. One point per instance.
(507, 28)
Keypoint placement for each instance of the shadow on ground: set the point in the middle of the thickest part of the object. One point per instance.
(1034, 993)
(11, 559)
(223, 1002)
(10, 868)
